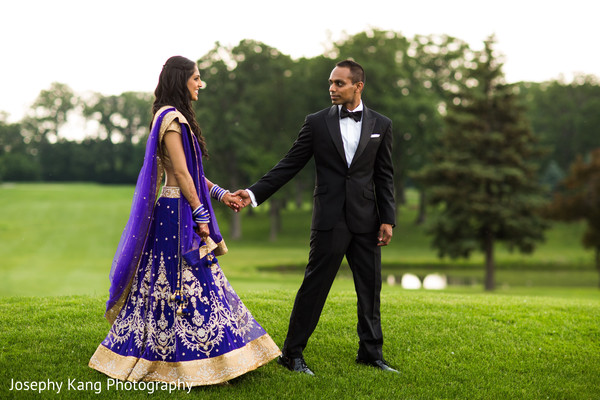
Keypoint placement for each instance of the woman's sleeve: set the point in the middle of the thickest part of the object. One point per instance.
(172, 127)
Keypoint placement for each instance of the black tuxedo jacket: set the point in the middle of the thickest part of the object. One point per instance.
(364, 191)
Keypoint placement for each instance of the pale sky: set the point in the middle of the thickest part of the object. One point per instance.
(114, 46)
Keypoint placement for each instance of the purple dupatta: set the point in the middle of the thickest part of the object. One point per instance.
(133, 239)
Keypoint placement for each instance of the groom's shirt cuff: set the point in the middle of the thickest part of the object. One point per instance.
(252, 198)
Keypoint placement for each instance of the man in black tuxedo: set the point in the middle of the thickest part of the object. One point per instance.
(353, 213)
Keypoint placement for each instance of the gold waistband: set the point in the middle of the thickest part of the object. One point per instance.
(171, 192)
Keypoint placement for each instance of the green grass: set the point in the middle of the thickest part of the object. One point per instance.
(535, 337)
(59, 239)
(446, 346)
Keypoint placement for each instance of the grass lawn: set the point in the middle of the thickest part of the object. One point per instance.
(446, 345)
(535, 337)
(59, 239)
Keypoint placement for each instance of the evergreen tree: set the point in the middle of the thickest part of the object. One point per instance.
(483, 179)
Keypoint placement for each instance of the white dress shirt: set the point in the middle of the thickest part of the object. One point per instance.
(350, 133)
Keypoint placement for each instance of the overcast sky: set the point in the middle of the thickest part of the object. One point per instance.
(114, 46)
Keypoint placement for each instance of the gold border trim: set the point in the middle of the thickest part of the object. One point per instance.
(167, 119)
(170, 192)
(112, 313)
(219, 248)
(208, 371)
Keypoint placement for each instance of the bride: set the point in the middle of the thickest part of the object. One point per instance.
(175, 317)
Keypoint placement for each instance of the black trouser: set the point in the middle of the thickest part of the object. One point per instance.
(327, 249)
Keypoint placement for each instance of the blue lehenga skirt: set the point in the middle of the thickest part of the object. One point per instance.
(181, 322)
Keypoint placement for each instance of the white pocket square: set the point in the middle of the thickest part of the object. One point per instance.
(375, 135)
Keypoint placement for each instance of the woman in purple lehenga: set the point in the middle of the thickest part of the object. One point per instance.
(175, 317)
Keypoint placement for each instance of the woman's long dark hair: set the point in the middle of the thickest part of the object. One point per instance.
(172, 90)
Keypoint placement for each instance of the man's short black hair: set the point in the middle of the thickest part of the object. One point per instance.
(356, 70)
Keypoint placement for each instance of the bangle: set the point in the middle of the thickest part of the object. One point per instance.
(200, 215)
(217, 192)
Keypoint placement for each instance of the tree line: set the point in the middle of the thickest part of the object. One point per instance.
(458, 128)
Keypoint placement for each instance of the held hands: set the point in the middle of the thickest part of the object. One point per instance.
(245, 199)
(224, 196)
(236, 201)
(232, 201)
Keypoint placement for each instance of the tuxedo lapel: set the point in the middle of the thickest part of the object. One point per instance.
(333, 124)
(365, 133)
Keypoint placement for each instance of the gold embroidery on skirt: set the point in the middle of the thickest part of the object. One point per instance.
(201, 334)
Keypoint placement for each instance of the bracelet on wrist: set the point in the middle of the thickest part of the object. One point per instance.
(200, 215)
(217, 192)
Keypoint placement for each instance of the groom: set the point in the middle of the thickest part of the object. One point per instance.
(353, 213)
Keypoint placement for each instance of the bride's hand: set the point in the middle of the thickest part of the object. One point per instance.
(203, 230)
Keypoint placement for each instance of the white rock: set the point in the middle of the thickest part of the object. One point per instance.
(435, 282)
(410, 281)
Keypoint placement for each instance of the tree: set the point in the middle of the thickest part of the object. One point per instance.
(123, 123)
(578, 199)
(41, 127)
(437, 61)
(565, 117)
(483, 177)
(49, 113)
(245, 114)
(15, 163)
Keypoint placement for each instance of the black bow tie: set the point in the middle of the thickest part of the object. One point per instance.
(355, 115)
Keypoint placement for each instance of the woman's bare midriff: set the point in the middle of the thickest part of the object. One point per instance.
(170, 178)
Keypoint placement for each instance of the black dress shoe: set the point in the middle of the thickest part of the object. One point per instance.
(295, 364)
(380, 364)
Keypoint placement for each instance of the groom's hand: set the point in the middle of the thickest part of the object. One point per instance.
(385, 235)
(245, 199)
